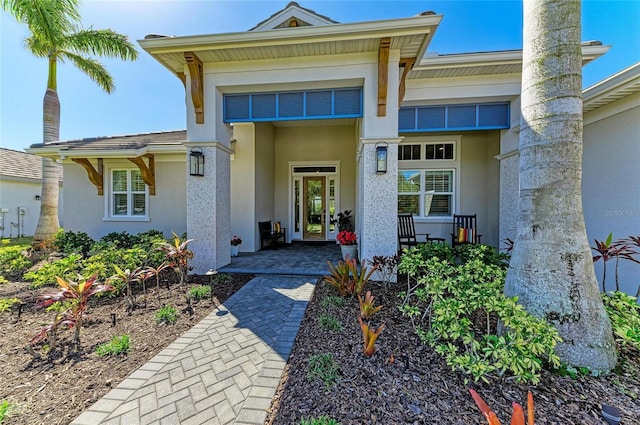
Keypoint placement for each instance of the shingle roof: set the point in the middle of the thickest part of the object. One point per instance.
(126, 141)
(20, 164)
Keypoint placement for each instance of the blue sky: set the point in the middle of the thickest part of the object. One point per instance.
(149, 98)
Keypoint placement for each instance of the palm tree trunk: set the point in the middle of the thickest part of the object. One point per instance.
(48, 223)
(551, 269)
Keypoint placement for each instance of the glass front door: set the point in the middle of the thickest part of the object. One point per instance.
(314, 207)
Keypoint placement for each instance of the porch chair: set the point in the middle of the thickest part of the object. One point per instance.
(407, 236)
(465, 230)
(271, 235)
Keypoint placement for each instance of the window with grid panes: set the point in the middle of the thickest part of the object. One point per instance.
(128, 194)
(426, 193)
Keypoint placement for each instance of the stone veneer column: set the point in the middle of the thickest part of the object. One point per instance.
(378, 208)
(208, 208)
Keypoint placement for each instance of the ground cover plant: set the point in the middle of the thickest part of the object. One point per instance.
(407, 381)
(57, 378)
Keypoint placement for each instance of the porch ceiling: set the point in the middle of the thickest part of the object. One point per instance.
(409, 35)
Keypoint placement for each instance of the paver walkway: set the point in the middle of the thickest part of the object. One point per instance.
(224, 370)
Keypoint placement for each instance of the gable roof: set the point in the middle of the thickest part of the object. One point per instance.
(19, 164)
(293, 15)
(126, 145)
(617, 86)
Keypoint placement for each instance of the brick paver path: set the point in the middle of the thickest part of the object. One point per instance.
(224, 370)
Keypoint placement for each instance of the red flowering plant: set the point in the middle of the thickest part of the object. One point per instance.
(346, 237)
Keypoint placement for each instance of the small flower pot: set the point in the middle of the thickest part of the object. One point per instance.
(235, 249)
(349, 251)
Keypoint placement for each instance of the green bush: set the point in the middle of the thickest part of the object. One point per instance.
(323, 367)
(120, 239)
(6, 303)
(328, 322)
(455, 309)
(119, 345)
(624, 313)
(333, 301)
(5, 409)
(13, 262)
(167, 315)
(103, 262)
(66, 268)
(321, 420)
(71, 242)
(199, 292)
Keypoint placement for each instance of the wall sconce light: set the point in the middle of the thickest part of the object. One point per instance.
(381, 158)
(196, 162)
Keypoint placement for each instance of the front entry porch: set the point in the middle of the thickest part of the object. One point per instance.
(298, 258)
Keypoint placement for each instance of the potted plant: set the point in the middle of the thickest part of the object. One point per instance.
(235, 245)
(348, 244)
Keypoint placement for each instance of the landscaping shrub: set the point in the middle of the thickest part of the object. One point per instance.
(104, 262)
(13, 262)
(5, 409)
(199, 292)
(167, 315)
(119, 345)
(6, 303)
(329, 323)
(71, 242)
(333, 301)
(456, 308)
(624, 313)
(66, 268)
(323, 367)
(122, 239)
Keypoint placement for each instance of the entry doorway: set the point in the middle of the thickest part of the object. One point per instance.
(314, 201)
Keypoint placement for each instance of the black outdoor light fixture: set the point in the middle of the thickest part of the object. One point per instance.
(381, 158)
(196, 162)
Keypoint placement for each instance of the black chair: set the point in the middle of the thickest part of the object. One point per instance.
(269, 236)
(465, 230)
(407, 236)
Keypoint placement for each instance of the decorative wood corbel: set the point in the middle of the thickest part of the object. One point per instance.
(183, 78)
(148, 171)
(95, 176)
(196, 72)
(407, 65)
(383, 75)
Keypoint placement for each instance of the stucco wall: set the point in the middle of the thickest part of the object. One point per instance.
(611, 181)
(19, 192)
(243, 185)
(86, 210)
(317, 143)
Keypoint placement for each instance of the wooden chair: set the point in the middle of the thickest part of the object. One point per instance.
(407, 236)
(269, 236)
(465, 230)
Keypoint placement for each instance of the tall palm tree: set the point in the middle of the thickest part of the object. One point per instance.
(57, 36)
(551, 269)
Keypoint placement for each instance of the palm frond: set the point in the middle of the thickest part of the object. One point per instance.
(94, 70)
(102, 43)
(46, 19)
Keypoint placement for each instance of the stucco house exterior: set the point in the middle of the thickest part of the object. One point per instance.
(290, 117)
(20, 189)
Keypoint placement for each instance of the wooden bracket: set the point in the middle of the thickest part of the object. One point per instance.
(95, 176)
(183, 78)
(148, 171)
(196, 72)
(407, 65)
(383, 75)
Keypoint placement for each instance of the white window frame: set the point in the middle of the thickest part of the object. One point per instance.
(424, 165)
(109, 199)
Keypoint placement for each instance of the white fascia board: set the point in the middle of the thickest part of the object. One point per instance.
(64, 152)
(623, 79)
(505, 57)
(297, 35)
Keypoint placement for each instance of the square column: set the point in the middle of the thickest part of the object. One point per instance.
(208, 208)
(378, 199)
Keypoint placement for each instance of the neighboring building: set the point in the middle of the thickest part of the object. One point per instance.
(20, 189)
(289, 117)
(611, 167)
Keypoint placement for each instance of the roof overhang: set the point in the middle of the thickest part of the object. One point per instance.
(485, 63)
(624, 83)
(68, 152)
(410, 35)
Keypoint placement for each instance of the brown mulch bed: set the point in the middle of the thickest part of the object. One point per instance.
(417, 387)
(57, 388)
